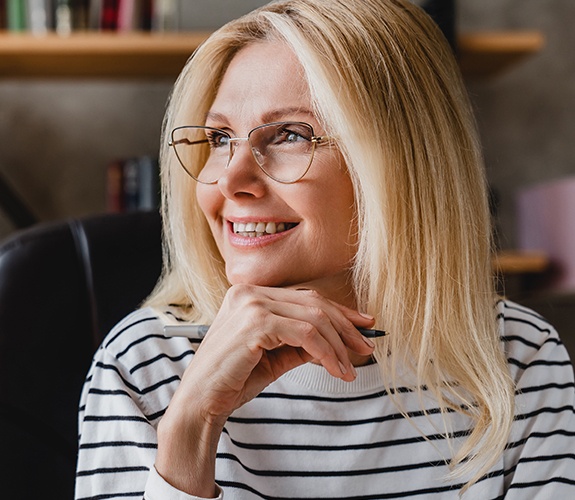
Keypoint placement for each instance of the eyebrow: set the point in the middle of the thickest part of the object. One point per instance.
(267, 117)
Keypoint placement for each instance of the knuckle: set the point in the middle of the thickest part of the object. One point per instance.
(318, 314)
(348, 325)
(313, 293)
(308, 331)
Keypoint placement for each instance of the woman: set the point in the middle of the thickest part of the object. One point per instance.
(321, 174)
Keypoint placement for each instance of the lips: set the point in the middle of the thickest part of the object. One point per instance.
(260, 228)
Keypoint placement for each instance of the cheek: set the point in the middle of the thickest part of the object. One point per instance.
(340, 192)
(334, 210)
(209, 203)
(207, 200)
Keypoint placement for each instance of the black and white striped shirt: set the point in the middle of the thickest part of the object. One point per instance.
(310, 435)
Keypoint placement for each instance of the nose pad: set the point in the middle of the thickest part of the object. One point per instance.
(242, 174)
(253, 154)
(234, 144)
(259, 157)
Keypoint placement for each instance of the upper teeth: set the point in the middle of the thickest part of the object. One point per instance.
(258, 228)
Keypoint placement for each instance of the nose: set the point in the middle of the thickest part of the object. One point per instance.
(242, 175)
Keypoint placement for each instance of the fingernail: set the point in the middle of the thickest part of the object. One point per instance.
(366, 316)
(353, 371)
(342, 368)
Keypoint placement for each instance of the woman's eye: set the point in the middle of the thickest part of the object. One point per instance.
(292, 137)
(217, 140)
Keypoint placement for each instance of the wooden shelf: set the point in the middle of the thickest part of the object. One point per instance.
(110, 55)
(516, 262)
(96, 55)
(489, 54)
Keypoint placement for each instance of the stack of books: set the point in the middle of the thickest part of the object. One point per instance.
(66, 16)
(132, 185)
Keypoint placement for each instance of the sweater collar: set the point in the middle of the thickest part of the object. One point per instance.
(317, 379)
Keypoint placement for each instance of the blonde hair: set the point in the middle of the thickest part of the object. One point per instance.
(383, 80)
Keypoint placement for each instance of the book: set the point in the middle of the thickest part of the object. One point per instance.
(128, 16)
(135, 15)
(148, 184)
(132, 184)
(131, 194)
(109, 15)
(16, 15)
(94, 14)
(3, 24)
(114, 186)
(146, 13)
(80, 14)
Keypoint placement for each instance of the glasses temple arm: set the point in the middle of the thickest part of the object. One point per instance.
(188, 142)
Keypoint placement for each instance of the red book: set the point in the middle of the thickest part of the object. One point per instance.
(110, 12)
(115, 187)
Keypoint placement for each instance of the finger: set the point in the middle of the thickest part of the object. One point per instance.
(343, 319)
(348, 329)
(324, 346)
(321, 322)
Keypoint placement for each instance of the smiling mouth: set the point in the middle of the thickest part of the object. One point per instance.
(258, 229)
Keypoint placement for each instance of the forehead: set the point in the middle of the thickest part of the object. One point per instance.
(262, 78)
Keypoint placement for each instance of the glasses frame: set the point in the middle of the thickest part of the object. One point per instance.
(233, 141)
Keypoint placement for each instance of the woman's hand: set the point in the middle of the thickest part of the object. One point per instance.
(258, 335)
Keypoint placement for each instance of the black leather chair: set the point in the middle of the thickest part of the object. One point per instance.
(62, 287)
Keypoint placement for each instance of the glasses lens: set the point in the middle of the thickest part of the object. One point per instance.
(202, 151)
(284, 151)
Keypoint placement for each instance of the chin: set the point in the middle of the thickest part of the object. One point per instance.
(253, 278)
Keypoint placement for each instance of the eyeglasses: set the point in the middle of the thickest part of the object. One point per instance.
(283, 150)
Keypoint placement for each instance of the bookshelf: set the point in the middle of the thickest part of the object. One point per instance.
(161, 56)
(157, 56)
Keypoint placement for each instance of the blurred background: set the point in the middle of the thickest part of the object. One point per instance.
(59, 136)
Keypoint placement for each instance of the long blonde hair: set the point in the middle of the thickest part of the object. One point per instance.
(384, 82)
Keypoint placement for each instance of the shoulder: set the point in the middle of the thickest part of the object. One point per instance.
(142, 322)
(539, 453)
(137, 368)
(138, 347)
(529, 340)
(519, 324)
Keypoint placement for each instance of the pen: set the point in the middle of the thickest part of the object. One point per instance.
(198, 332)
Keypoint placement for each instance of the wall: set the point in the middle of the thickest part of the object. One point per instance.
(56, 137)
(527, 115)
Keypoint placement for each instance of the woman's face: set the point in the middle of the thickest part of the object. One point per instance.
(264, 83)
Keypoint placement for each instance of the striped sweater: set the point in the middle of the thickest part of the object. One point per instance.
(309, 435)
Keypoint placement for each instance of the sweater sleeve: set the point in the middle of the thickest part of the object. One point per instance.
(117, 438)
(158, 489)
(117, 442)
(540, 456)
